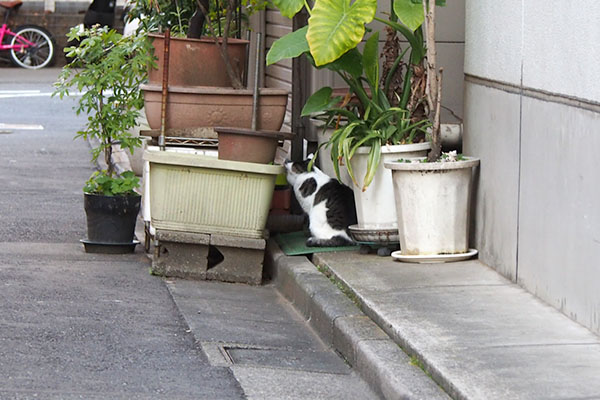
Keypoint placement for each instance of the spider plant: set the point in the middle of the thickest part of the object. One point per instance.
(372, 120)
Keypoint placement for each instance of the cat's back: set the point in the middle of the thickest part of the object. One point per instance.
(339, 201)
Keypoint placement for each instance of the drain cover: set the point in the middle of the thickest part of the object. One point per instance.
(304, 360)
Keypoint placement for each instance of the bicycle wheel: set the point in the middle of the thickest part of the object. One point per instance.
(40, 55)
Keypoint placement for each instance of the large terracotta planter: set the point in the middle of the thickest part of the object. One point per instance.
(204, 106)
(196, 62)
(246, 145)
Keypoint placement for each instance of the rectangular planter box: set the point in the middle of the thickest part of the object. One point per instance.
(201, 194)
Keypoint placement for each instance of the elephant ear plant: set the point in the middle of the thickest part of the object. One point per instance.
(106, 71)
(383, 106)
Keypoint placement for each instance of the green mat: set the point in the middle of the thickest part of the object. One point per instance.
(294, 244)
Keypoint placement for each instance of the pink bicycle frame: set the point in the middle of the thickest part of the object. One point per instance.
(20, 44)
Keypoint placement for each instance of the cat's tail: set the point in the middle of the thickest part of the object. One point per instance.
(335, 241)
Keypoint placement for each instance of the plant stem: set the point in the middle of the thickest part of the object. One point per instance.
(232, 72)
(196, 25)
(434, 81)
(105, 138)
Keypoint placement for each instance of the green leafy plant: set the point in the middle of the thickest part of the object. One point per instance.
(101, 183)
(177, 16)
(107, 68)
(382, 107)
(158, 15)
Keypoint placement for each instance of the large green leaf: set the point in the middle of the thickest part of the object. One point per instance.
(371, 62)
(410, 13)
(336, 26)
(288, 8)
(320, 101)
(289, 46)
(372, 163)
(350, 62)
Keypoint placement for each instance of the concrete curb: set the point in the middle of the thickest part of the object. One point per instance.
(343, 326)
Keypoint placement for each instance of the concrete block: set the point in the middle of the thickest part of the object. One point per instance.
(289, 288)
(349, 331)
(386, 367)
(237, 241)
(209, 256)
(297, 279)
(182, 237)
(273, 253)
(241, 265)
(180, 260)
(328, 304)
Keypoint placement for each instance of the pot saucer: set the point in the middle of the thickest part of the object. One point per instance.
(373, 235)
(109, 248)
(433, 258)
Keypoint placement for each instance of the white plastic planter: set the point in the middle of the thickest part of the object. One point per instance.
(146, 209)
(375, 207)
(201, 194)
(433, 206)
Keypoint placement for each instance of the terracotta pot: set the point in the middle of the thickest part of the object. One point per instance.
(282, 200)
(204, 106)
(246, 145)
(196, 62)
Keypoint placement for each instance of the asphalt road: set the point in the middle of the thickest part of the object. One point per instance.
(42, 171)
(74, 325)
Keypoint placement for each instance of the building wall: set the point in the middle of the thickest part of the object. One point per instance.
(58, 17)
(532, 114)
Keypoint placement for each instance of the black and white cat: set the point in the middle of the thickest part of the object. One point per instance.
(328, 203)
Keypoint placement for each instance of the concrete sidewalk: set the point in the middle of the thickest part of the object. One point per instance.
(478, 335)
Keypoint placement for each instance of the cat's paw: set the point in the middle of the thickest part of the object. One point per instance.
(312, 242)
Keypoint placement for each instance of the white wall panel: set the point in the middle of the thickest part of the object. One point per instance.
(559, 223)
(561, 53)
(492, 134)
(493, 39)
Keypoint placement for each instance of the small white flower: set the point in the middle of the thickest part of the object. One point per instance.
(450, 156)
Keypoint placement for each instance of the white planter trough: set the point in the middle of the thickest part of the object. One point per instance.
(433, 208)
(375, 207)
(202, 194)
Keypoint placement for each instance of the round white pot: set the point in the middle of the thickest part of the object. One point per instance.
(375, 207)
(324, 158)
(433, 206)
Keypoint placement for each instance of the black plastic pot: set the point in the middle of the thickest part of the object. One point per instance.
(110, 223)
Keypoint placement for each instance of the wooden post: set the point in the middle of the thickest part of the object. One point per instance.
(49, 6)
(299, 91)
